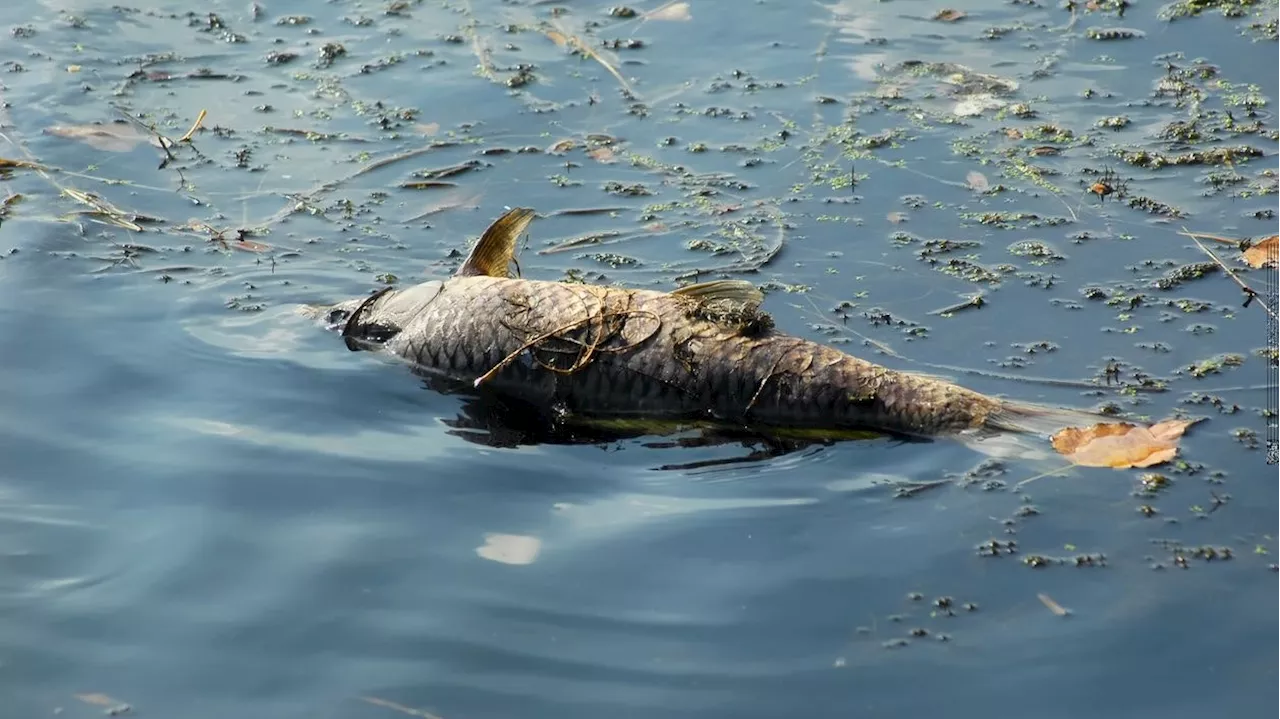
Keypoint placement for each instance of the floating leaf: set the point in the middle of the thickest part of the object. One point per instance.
(896, 217)
(1262, 254)
(977, 181)
(602, 154)
(1121, 445)
(560, 147)
(510, 548)
(948, 15)
(7, 164)
(250, 246)
(98, 700)
(671, 11)
(115, 137)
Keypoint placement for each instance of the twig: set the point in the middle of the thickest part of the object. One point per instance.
(1249, 291)
(1215, 238)
(590, 347)
(563, 38)
(378, 164)
(401, 708)
(1045, 599)
(195, 126)
(102, 207)
(975, 302)
(1042, 475)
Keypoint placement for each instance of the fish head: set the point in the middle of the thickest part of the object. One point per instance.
(379, 316)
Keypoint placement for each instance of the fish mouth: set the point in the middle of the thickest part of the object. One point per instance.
(333, 317)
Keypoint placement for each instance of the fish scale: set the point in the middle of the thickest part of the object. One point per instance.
(770, 378)
(704, 351)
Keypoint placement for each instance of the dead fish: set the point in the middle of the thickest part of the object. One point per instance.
(702, 352)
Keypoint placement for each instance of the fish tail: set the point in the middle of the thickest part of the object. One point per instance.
(1039, 419)
(1018, 430)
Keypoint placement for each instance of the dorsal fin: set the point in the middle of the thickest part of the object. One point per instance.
(496, 248)
(738, 292)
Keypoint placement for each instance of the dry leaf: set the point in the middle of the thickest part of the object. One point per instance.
(977, 182)
(1121, 445)
(558, 38)
(429, 129)
(561, 146)
(1262, 254)
(510, 548)
(7, 164)
(115, 137)
(670, 11)
(98, 700)
(896, 217)
(949, 15)
(250, 246)
(602, 154)
(1013, 133)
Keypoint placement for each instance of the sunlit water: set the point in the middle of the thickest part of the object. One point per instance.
(210, 508)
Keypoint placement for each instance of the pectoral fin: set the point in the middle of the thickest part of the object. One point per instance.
(496, 248)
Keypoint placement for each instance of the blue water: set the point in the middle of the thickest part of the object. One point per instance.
(210, 508)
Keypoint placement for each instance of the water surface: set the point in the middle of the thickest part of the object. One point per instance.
(209, 507)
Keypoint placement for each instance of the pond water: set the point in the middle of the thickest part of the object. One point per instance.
(210, 508)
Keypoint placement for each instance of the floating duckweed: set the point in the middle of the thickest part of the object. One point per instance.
(1113, 33)
(1036, 249)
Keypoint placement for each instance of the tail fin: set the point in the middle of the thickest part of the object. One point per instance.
(1019, 430)
(1044, 420)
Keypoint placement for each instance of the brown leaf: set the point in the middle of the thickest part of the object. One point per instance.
(115, 137)
(1262, 254)
(1121, 445)
(98, 700)
(977, 182)
(561, 146)
(428, 129)
(948, 15)
(250, 246)
(7, 164)
(670, 11)
(896, 217)
(602, 154)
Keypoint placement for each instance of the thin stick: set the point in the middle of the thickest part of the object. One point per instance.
(196, 126)
(582, 360)
(1247, 289)
(1042, 475)
(1215, 238)
(976, 301)
(562, 38)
